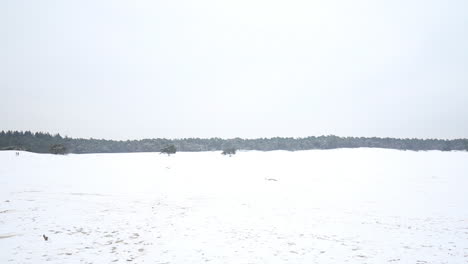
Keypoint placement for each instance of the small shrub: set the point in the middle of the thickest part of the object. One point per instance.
(229, 151)
(58, 149)
(171, 149)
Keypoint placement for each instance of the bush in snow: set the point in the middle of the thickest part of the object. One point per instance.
(229, 151)
(58, 149)
(171, 149)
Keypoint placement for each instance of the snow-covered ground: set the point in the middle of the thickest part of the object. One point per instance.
(321, 206)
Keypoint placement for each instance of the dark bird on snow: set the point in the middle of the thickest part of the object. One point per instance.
(45, 237)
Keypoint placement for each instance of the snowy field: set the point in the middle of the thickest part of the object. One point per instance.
(322, 206)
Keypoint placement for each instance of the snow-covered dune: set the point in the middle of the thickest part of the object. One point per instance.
(323, 206)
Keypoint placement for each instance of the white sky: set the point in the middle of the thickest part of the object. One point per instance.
(245, 68)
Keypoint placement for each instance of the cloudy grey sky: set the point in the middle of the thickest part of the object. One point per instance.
(236, 68)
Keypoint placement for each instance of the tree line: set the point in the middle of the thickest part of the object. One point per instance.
(42, 142)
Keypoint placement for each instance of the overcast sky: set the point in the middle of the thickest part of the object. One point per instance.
(236, 68)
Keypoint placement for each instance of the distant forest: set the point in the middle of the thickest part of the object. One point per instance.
(42, 142)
